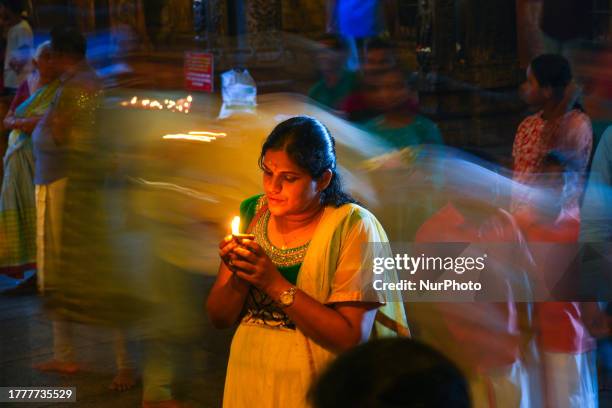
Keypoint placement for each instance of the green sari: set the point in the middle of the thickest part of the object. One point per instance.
(17, 201)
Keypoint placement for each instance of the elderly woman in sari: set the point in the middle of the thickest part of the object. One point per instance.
(298, 287)
(17, 203)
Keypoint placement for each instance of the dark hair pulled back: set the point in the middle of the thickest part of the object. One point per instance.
(309, 144)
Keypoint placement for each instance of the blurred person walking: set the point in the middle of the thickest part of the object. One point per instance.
(399, 124)
(485, 339)
(336, 81)
(596, 232)
(356, 21)
(71, 108)
(596, 208)
(567, 347)
(19, 43)
(405, 132)
(379, 56)
(51, 175)
(68, 173)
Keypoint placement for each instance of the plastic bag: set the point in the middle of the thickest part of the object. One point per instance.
(238, 88)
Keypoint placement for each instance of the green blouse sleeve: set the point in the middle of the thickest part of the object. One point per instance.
(247, 211)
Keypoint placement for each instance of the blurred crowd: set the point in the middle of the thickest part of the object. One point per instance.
(89, 218)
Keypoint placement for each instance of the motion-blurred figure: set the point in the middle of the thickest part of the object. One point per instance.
(50, 139)
(379, 56)
(127, 36)
(337, 82)
(399, 124)
(69, 173)
(596, 211)
(596, 231)
(567, 348)
(485, 339)
(405, 132)
(19, 43)
(356, 21)
(593, 72)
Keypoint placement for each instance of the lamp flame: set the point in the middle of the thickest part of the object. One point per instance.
(236, 225)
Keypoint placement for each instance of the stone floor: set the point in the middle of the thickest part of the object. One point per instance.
(26, 339)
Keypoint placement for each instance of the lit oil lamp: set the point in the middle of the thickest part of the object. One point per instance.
(236, 231)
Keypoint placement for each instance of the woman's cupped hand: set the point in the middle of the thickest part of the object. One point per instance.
(251, 263)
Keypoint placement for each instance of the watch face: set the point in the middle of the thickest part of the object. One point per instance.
(286, 299)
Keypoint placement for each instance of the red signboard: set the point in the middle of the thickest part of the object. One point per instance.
(199, 71)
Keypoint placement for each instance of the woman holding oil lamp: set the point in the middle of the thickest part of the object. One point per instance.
(296, 285)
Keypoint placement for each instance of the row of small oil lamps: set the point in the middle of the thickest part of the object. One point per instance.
(181, 105)
(195, 136)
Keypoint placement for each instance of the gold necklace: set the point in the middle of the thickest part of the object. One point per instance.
(280, 257)
(286, 243)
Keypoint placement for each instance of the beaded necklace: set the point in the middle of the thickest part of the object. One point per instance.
(280, 257)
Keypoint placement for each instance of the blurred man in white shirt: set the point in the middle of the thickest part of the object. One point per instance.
(19, 43)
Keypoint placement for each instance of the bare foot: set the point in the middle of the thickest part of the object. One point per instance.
(56, 366)
(124, 380)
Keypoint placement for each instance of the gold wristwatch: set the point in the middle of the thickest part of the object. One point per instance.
(287, 297)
